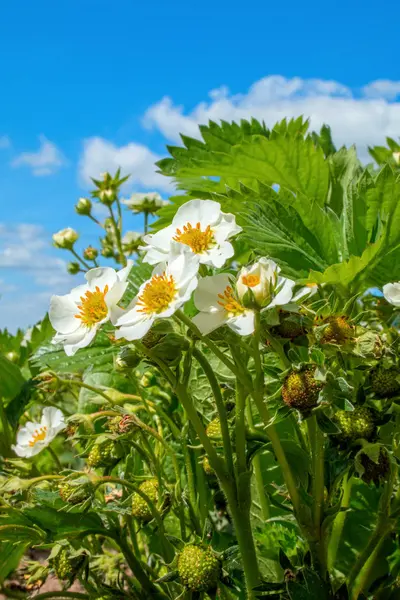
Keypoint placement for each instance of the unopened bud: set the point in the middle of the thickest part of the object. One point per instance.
(90, 253)
(73, 268)
(107, 252)
(107, 196)
(65, 238)
(127, 359)
(396, 157)
(83, 206)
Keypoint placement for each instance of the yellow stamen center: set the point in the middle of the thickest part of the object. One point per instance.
(157, 294)
(195, 238)
(311, 285)
(93, 307)
(229, 302)
(250, 280)
(38, 436)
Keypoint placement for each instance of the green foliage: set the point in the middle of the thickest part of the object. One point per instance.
(257, 466)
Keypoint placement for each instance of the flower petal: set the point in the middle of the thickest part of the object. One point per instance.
(135, 330)
(62, 314)
(53, 418)
(285, 293)
(205, 212)
(391, 291)
(100, 277)
(242, 324)
(75, 342)
(206, 295)
(209, 321)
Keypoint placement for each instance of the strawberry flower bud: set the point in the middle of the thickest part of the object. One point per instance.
(65, 238)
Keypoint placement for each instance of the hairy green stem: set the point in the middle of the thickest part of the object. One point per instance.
(262, 496)
(359, 574)
(83, 263)
(219, 401)
(317, 448)
(117, 234)
(338, 525)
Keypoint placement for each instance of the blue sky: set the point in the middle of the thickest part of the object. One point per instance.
(90, 85)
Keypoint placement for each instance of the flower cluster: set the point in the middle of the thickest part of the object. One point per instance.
(199, 234)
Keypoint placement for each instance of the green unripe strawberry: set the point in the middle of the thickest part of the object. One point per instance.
(300, 390)
(140, 508)
(355, 424)
(101, 455)
(124, 424)
(74, 494)
(338, 331)
(384, 382)
(65, 566)
(214, 429)
(199, 568)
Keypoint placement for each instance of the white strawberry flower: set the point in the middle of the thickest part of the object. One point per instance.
(262, 283)
(219, 305)
(391, 291)
(77, 316)
(170, 286)
(34, 437)
(202, 227)
(149, 202)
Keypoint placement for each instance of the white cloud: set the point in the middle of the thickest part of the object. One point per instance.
(45, 161)
(5, 142)
(364, 118)
(30, 274)
(382, 88)
(135, 159)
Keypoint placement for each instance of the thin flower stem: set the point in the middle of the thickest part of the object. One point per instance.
(95, 221)
(219, 401)
(146, 221)
(117, 234)
(262, 496)
(83, 263)
(55, 458)
(317, 447)
(190, 325)
(96, 390)
(338, 525)
(359, 574)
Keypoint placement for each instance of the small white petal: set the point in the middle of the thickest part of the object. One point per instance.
(391, 292)
(209, 321)
(62, 314)
(206, 296)
(53, 418)
(72, 344)
(136, 330)
(242, 324)
(100, 277)
(205, 212)
(285, 294)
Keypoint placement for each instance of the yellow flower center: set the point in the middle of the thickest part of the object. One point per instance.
(38, 436)
(157, 294)
(311, 285)
(93, 307)
(195, 238)
(250, 280)
(229, 302)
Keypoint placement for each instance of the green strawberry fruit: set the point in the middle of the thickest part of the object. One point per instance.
(355, 424)
(384, 382)
(140, 508)
(300, 390)
(199, 568)
(101, 455)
